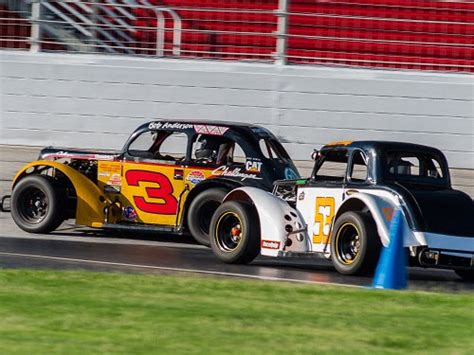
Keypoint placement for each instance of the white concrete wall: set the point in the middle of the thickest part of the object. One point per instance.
(96, 101)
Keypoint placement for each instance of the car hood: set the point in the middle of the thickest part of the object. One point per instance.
(51, 153)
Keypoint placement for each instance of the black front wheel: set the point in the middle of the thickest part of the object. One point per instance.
(201, 211)
(235, 233)
(355, 244)
(36, 204)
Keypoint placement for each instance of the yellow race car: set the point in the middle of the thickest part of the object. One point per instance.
(170, 176)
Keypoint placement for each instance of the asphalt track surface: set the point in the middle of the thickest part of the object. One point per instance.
(72, 248)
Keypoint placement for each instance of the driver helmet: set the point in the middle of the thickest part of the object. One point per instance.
(207, 150)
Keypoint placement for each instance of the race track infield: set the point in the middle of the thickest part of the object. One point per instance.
(71, 312)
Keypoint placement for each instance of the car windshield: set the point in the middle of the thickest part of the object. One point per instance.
(414, 166)
(332, 165)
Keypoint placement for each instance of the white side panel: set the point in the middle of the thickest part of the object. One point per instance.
(318, 206)
(274, 215)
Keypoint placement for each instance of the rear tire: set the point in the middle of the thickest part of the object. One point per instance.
(201, 211)
(466, 275)
(355, 244)
(37, 206)
(235, 233)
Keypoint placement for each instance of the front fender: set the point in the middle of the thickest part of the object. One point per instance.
(382, 210)
(275, 218)
(90, 199)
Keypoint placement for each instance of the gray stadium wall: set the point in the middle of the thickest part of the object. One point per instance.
(92, 101)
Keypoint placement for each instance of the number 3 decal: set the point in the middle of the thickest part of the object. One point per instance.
(164, 192)
(324, 215)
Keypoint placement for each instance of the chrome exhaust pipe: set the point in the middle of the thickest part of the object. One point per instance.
(428, 257)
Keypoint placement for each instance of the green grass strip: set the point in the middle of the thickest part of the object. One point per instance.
(85, 313)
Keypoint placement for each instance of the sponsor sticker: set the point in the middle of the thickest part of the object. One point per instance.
(195, 177)
(111, 168)
(301, 196)
(236, 172)
(129, 213)
(270, 244)
(253, 165)
(115, 179)
(212, 130)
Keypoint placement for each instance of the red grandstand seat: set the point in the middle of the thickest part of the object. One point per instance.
(386, 33)
(14, 30)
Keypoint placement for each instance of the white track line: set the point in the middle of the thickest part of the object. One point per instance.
(163, 268)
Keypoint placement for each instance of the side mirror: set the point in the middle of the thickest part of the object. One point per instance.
(315, 154)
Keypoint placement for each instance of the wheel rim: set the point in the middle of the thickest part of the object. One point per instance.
(33, 205)
(205, 214)
(348, 243)
(229, 232)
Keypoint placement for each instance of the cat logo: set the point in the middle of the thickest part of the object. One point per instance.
(253, 166)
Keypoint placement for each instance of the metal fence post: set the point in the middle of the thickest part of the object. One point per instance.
(95, 21)
(282, 32)
(160, 33)
(35, 45)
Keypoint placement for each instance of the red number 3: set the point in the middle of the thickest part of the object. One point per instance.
(164, 192)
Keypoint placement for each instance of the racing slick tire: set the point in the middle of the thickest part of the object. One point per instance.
(37, 206)
(466, 275)
(355, 244)
(235, 233)
(200, 213)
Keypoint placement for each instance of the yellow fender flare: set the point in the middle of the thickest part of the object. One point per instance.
(90, 199)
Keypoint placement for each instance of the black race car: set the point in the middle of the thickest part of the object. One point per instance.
(170, 176)
(344, 209)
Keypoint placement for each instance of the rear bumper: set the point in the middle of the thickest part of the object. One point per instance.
(446, 251)
(446, 259)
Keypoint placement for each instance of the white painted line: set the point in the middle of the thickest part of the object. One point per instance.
(163, 268)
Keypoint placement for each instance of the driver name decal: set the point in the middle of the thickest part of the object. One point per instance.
(169, 125)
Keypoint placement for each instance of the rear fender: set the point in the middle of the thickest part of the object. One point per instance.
(382, 210)
(91, 202)
(276, 217)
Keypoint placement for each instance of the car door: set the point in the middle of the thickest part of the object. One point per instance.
(152, 178)
(319, 200)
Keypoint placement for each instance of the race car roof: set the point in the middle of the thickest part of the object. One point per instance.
(373, 145)
(205, 122)
(188, 124)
